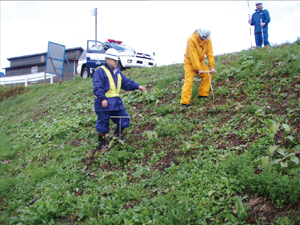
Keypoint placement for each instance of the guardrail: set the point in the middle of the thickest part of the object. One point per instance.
(26, 78)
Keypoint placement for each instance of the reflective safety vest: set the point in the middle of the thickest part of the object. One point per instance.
(113, 91)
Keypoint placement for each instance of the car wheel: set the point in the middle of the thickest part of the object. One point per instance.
(85, 73)
(120, 65)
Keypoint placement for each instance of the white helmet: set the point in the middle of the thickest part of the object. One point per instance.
(112, 53)
(204, 32)
(257, 3)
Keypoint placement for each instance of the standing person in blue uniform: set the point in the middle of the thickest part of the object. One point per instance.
(260, 20)
(107, 83)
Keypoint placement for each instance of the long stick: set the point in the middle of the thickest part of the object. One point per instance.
(120, 122)
(45, 78)
(212, 90)
(249, 20)
(262, 31)
(54, 70)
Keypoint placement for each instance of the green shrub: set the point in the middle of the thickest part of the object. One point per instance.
(169, 130)
(268, 182)
(6, 184)
(41, 173)
(8, 92)
(251, 109)
(163, 110)
(222, 90)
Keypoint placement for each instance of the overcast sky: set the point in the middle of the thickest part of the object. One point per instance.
(151, 26)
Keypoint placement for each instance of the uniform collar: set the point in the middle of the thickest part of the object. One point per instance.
(260, 10)
(198, 39)
(113, 72)
(108, 67)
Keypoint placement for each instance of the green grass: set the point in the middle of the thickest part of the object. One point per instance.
(205, 164)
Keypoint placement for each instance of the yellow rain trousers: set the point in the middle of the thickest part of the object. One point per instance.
(193, 62)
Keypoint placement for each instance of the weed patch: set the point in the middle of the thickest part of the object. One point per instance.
(233, 159)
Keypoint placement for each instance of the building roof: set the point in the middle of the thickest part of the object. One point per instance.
(44, 53)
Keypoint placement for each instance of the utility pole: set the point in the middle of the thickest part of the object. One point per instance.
(94, 13)
(95, 24)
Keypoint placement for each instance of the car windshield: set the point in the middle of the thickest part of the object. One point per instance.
(95, 45)
(121, 47)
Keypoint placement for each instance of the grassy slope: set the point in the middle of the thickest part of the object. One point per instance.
(233, 159)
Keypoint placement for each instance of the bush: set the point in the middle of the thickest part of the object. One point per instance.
(221, 90)
(169, 130)
(8, 92)
(251, 109)
(163, 110)
(268, 182)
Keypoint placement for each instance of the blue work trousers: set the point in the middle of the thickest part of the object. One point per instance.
(102, 123)
(259, 41)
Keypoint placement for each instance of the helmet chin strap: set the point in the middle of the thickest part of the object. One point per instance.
(111, 66)
(198, 35)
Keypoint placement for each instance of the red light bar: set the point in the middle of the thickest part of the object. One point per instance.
(115, 41)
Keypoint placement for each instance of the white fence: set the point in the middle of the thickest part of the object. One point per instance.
(26, 78)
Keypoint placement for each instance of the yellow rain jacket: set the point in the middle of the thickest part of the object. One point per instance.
(195, 52)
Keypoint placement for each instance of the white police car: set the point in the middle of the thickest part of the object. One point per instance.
(93, 57)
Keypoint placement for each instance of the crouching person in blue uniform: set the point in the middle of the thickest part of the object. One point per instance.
(107, 83)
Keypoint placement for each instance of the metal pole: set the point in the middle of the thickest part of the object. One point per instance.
(212, 90)
(120, 117)
(95, 24)
(249, 20)
(262, 31)
(120, 128)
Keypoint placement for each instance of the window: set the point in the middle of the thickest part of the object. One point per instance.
(34, 69)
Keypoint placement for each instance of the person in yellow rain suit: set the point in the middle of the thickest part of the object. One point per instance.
(198, 45)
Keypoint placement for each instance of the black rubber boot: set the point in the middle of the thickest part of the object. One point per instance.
(101, 140)
(199, 96)
(116, 133)
(186, 105)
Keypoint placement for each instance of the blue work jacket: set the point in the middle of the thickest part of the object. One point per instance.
(101, 86)
(255, 20)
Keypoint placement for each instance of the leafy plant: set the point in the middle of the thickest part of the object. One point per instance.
(150, 135)
(176, 165)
